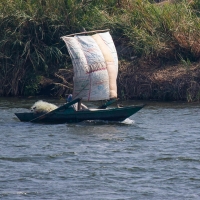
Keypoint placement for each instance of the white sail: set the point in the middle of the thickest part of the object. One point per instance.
(95, 65)
(109, 42)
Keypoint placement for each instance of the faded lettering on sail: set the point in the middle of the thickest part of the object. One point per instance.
(90, 74)
(95, 66)
(80, 66)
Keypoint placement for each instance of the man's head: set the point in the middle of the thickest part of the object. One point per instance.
(69, 98)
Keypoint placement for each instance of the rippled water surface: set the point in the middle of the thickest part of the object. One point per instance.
(155, 154)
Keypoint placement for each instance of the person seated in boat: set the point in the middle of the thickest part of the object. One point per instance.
(76, 106)
(69, 98)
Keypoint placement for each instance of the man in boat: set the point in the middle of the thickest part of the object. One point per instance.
(76, 106)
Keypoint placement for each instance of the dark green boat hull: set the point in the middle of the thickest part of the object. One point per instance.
(69, 115)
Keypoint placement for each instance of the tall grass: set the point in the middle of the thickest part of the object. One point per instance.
(165, 31)
(30, 44)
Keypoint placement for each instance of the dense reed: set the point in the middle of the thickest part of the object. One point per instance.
(31, 48)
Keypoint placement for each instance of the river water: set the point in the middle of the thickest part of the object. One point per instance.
(155, 154)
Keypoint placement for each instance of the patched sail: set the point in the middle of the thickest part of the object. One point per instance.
(95, 64)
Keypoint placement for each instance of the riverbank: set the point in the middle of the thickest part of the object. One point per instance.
(171, 82)
(152, 39)
(143, 81)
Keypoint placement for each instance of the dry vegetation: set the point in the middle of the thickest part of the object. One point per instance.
(158, 45)
(167, 83)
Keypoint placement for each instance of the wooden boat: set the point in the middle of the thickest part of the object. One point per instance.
(69, 115)
(95, 65)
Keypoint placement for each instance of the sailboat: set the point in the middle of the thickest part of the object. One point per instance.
(95, 65)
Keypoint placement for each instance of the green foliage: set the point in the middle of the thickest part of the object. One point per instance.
(32, 85)
(196, 6)
(162, 30)
(31, 30)
(185, 62)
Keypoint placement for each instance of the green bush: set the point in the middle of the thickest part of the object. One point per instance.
(162, 30)
(31, 30)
